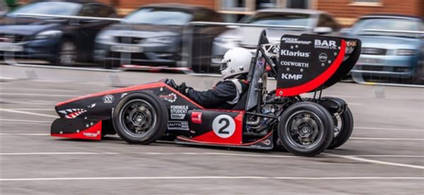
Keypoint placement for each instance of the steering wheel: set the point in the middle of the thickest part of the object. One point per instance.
(171, 83)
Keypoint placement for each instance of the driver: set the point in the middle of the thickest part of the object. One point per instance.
(227, 92)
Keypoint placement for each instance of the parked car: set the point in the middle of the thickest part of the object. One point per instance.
(392, 47)
(3, 8)
(280, 21)
(52, 32)
(151, 35)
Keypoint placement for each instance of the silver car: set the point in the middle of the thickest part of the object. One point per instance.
(3, 8)
(276, 22)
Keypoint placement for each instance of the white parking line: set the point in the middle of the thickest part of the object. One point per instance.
(38, 94)
(390, 156)
(32, 102)
(389, 129)
(37, 109)
(25, 134)
(23, 121)
(206, 178)
(387, 139)
(39, 89)
(206, 154)
(221, 154)
(54, 153)
(67, 67)
(28, 113)
(379, 162)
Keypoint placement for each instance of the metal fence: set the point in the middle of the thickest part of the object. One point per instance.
(196, 47)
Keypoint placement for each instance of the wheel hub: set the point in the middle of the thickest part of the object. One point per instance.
(304, 129)
(138, 117)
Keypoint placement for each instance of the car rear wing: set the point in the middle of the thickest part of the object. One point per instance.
(308, 63)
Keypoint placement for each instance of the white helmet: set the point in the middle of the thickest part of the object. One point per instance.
(236, 61)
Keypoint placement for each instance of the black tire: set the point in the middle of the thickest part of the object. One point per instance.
(68, 53)
(140, 118)
(418, 74)
(108, 64)
(343, 125)
(306, 121)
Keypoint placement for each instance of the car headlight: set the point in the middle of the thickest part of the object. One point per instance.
(163, 39)
(48, 34)
(104, 37)
(406, 52)
(225, 39)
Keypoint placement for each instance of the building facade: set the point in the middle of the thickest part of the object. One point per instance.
(347, 11)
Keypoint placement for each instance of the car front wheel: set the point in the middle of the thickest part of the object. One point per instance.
(140, 118)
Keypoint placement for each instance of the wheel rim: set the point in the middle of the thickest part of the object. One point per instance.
(338, 124)
(137, 117)
(67, 53)
(304, 130)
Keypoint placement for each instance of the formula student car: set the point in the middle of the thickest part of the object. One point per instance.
(263, 119)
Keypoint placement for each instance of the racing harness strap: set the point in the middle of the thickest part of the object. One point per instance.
(239, 90)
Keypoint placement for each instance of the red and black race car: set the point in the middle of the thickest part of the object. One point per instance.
(269, 117)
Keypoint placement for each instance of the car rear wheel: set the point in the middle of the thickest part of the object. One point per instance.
(306, 129)
(67, 54)
(343, 127)
(418, 74)
(140, 118)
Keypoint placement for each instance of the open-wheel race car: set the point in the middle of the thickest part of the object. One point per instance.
(262, 119)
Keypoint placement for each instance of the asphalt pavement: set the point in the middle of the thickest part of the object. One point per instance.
(384, 156)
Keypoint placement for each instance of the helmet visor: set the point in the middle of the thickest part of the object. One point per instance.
(223, 66)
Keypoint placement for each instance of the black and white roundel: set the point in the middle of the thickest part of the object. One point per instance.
(223, 126)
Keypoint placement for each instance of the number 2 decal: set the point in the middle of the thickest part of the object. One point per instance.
(223, 126)
(222, 129)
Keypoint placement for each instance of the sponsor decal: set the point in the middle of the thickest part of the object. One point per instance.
(91, 105)
(288, 76)
(351, 43)
(178, 111)
(322, 57)
(325, 44)
(172, 97)
(295, 64)
(178, 125)
(89, 134)
(108, 99)
(298, 53)
(295, 41)
(72, 113)
(267, 142)
(223, 126)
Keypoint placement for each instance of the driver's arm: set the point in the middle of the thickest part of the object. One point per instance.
(213, 98)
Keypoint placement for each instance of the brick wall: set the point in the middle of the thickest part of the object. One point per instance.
(346, 11)
(125, 6)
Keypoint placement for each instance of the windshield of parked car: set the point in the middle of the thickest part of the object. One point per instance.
(48, 8)
(386, 24)
(281, 19)
(158, 16)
